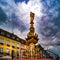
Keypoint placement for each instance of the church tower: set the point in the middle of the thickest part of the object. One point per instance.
(32, 37)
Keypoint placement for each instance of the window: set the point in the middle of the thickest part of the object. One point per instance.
(8, 35)
(13, 44)
(8, 51)
(17, 54)
(18, 45)
(2, 33)
(18, 39)
(1, 50)
(1, 41)
(13, 37)
(8, 43)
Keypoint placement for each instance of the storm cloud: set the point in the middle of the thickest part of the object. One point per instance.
(14, 15)
(49, 24)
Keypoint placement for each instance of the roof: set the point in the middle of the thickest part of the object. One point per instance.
(11, 36)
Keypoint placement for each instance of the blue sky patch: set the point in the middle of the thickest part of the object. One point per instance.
(16, 1)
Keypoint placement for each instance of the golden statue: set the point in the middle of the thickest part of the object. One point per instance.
(32, 37)
(32, 17)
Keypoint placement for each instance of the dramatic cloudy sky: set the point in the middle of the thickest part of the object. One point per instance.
(14, 17)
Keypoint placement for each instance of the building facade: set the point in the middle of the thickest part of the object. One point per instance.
(10, 44)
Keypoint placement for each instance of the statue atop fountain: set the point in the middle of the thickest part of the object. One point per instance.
(32, 37)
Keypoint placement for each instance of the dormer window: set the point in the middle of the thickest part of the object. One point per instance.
(8, 35)
(13, 37)
(17, 39)
(2, 33)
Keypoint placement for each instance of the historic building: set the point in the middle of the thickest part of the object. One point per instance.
(10, 44)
